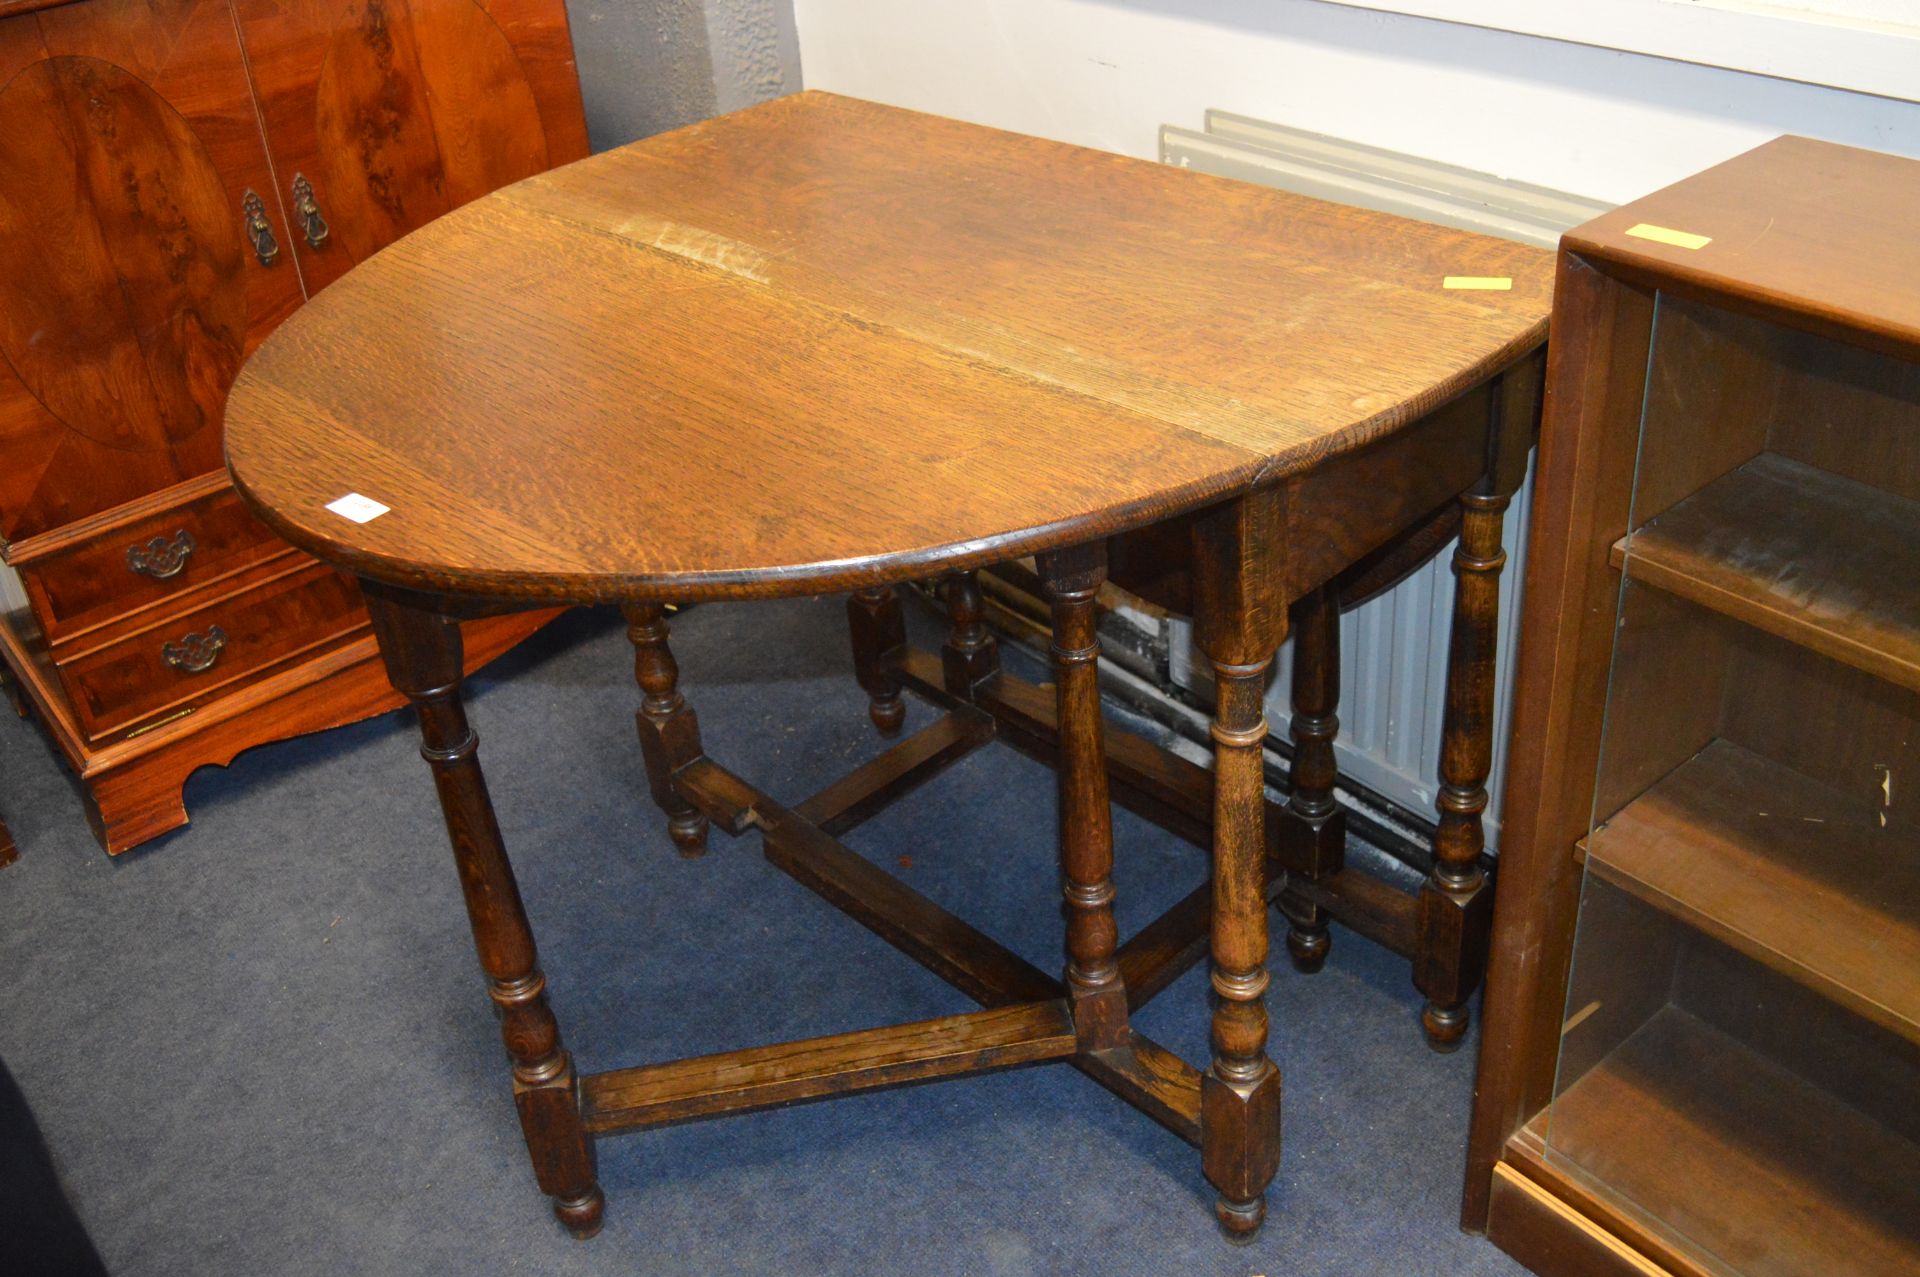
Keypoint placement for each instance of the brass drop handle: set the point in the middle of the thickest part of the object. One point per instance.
(307, 209)
(253, 211)
(162, 557)
(195, 653)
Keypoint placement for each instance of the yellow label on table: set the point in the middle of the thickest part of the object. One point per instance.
(1667, 235)
(1479, 283)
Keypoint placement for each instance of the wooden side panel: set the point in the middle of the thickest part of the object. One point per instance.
(1597, 360)
(129, 289)
(396, 111)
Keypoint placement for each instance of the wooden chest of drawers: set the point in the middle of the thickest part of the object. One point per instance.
(176, 177)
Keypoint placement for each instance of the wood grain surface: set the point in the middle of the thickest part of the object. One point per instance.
(823, 343)
(1782, 869)
(1791, 225)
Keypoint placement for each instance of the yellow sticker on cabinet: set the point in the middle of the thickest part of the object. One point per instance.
(1479, 283)
(1667, 235)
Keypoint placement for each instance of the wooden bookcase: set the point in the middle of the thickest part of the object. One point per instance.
(1702, 1039)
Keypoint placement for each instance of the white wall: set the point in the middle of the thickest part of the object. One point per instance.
(1108, 73)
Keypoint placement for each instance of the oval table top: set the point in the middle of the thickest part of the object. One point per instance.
(824, 343)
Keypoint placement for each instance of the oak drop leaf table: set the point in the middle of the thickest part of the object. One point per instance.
(826, 345)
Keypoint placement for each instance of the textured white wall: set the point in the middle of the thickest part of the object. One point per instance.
(651, 65)
(1108, 73)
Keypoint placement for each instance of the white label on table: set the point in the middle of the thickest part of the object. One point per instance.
(358, 508)
(1479, 283)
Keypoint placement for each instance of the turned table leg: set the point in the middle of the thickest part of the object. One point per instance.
(669, 729)
(1071, 579)
(421, 649)
(1321, 824)
(971, 655)
(1240, 622)
(1455, 904)
(1455, 919)
(877, 628)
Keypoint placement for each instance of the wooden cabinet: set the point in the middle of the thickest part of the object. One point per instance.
(1702, 1046)
(176, 177)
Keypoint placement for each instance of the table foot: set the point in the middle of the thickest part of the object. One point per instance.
(1240, 1220)
(878, 629)
(669, 730)
(1446, 1027)
(582, 1214)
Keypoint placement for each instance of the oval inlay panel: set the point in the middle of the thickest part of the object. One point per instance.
(122, 273)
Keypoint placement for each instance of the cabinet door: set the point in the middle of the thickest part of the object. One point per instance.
(387, 113)
(130, 287)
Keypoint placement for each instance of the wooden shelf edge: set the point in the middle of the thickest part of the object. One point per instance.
(1700, 1138)
(1787, 933)
(1861, 542)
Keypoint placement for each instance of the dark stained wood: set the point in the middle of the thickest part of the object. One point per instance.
(874, 785)
(1456, 905)
(1177, 794)
(421, 649)
(782, 275)
(957, 952)
(1071, 580)
(819, 1068)
(971, 654)
(1240, 620)
(1152, 1079)
(873, 615)
(726, 800)
(669, 729)
(1826, 562)
(1317, 835)
(1737, 846)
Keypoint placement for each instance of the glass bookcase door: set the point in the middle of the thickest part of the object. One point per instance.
(1739, 1065)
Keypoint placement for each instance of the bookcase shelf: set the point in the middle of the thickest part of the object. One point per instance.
(1666, 1119)
(1812, 557)
(1782, 869)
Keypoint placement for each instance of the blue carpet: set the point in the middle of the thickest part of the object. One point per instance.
(260, 1046)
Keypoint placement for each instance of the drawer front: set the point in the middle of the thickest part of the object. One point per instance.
(211, 650)
(148, 562)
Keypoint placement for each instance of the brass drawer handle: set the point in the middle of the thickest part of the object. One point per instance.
(163, 557)
(307, 208)
(253, 211)
(195, 653)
